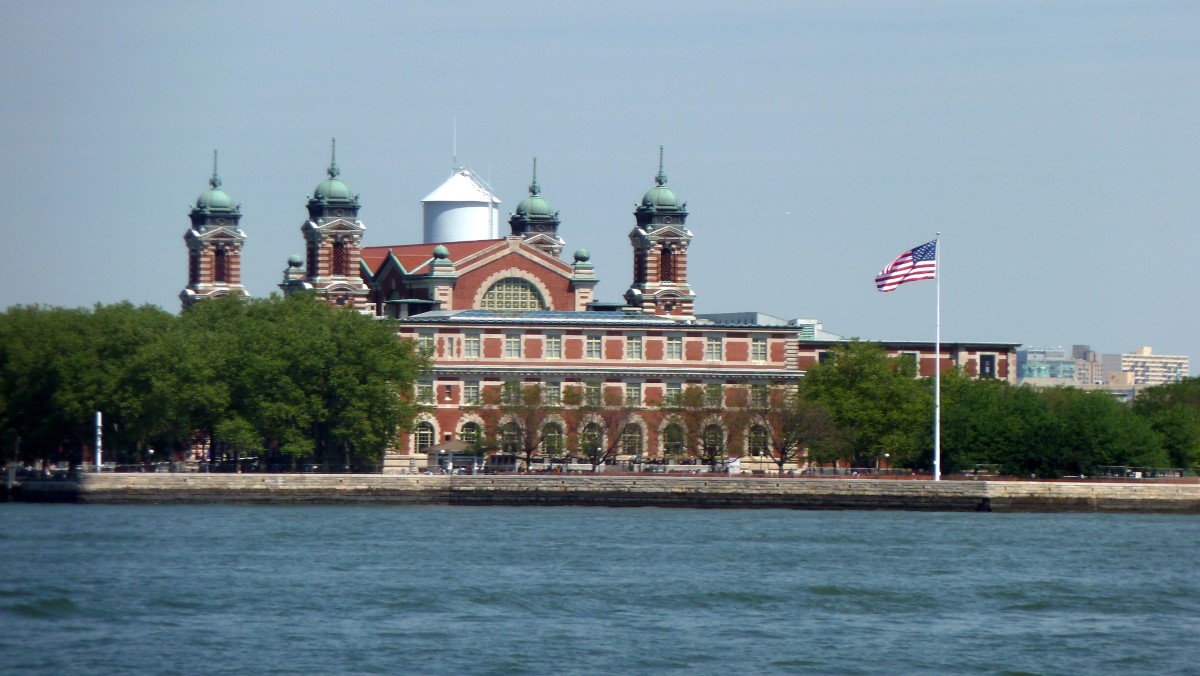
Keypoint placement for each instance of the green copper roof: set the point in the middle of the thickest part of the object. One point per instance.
(214, 199)
(534, 204)
(660, 196)
(333, 189)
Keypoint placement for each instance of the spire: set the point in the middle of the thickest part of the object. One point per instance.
(534, 188)
(215, 181)
(333, 167)
(661, 179)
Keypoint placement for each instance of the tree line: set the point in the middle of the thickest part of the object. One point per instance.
(285, 381)
(860, 408)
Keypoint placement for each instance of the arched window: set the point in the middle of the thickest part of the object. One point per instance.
(424, 435)
(470, 433)
(591, 437)
(339, 259)
(510, 441)
(666, 264)
(513, 293)
(674, 440)
(631, 440)
(759, 438)
(713, 439)
(552, 439)
(220, 267)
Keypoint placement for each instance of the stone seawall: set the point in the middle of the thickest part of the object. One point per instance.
(624, 491)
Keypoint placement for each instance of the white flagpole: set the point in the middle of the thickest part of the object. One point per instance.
(937, 363)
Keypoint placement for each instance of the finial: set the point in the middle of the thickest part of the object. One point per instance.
(661, 179)
(215, 181)
(333, 168)
(534, 188)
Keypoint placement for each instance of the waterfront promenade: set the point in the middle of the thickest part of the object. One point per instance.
(623, 491)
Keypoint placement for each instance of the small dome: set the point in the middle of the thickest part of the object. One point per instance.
(215, 199)
(660, 196)
(333, 190)
(534, 205)
(582, 256)
(295, 261)
(440, 252)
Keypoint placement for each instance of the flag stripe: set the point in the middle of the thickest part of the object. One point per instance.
(917, 263)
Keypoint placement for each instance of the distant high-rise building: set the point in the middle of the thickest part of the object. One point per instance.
(1142, 367)
(1045, 367)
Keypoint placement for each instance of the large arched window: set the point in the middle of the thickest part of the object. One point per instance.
(631, 440)
(591, 437)
(513, 293)
(511, 438)
(552, 439)
(758, 440)
(424, 435)
(713, 439)
(674, 440)
(470, 433)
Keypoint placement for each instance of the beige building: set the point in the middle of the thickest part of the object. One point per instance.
(1143, 367)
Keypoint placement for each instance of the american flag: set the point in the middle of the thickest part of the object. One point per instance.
(917, 263)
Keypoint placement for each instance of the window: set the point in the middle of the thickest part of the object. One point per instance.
(591, 394)
(425, 343)
(594, 347)
(666, 264)
(631, 440)
(552, 394)
(470, 433)
(714, 348)
(987, 366)
(633, 394)
(714, 439)
(712, 396)
(425, 392)
(673, 396)
(674, 347)
(674, 440)
(633, 347)
(510, 438)
(339, 259)
(759, 396)
(758, 440)
(471, 394)
(424, 435)
(510, 393)
(471, 343)
(758, 349)
(554, 347)
(823, 356)
(220, 267)
(552, 439)
(590, 438)
(512, 346)
(513, 293)
(450, 347)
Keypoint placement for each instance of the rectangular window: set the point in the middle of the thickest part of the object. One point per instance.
(673, 396)
(633, 394)
(633, 347)
(591, 394)
(471, 344)
(451, 344)
(471, 393)
(759, 396)
(987, 366)
(552, 394)
(674, 347)
(425, 392)
(758, 349)
(510, 393)
(594, 347)
(512, 346)
(822, 356)
(554, 347)
(714, 348)
(712, 396)
(425, 343)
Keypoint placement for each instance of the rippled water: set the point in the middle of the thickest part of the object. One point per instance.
(235, 589)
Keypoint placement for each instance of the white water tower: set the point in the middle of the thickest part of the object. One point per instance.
(461, 209)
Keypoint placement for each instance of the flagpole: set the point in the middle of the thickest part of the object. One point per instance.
(937, 363)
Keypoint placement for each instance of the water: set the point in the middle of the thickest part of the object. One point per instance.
(229, 589)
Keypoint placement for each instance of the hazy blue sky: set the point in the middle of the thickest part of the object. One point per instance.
(1056, 145)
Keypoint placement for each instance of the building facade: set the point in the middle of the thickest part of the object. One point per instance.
(500, 314)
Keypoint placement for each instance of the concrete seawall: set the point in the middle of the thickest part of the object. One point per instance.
(623, 491)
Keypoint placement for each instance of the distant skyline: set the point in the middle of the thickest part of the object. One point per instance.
(1056, 146)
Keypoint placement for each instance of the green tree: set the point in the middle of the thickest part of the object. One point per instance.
(1173, 411)
(795, 426)
(876, 401)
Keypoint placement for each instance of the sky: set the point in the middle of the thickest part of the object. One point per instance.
(1054, 145)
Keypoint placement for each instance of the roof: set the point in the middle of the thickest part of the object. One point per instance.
(462, 186)
(544, 317)
(414, 257)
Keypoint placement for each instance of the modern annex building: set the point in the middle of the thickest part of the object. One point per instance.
(494, 310)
